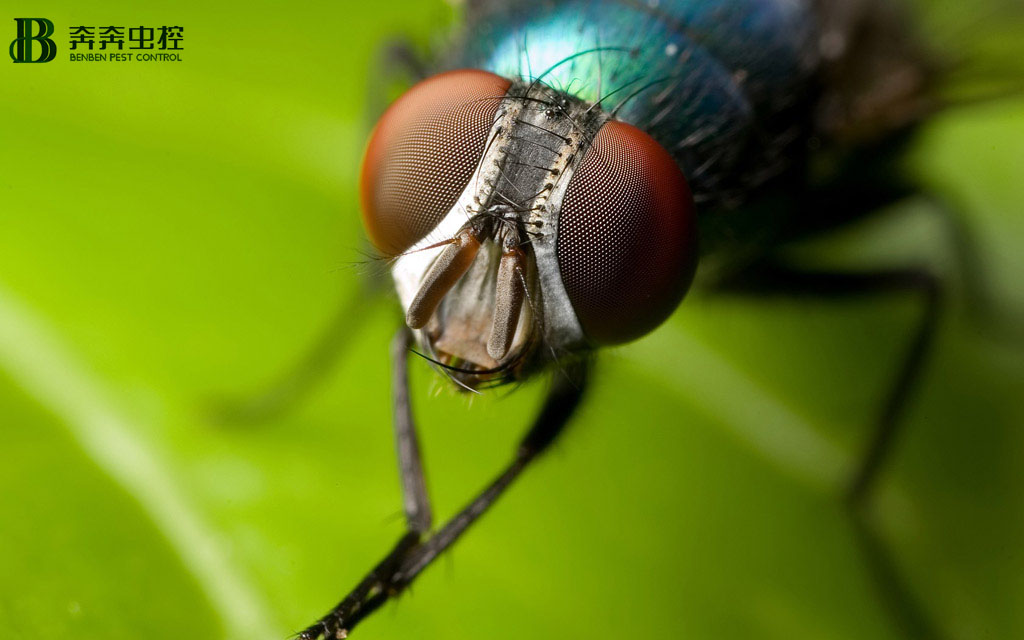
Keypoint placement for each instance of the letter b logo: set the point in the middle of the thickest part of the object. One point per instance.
(21, 47)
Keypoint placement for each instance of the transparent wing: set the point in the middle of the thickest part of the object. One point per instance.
(981, 44)
(887, 64)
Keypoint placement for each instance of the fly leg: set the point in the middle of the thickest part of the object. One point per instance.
(773, 278)
(971, 268)
(398, 65)
(400, 54)
(294, 384)
(367, 595)
(414, 552)
(415, 501)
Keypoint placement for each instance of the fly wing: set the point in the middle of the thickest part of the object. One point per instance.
(983, 46)
(887, 65)
(877, 75)
(473, 8)
(477, 11)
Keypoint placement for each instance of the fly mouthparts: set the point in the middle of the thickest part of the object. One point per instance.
(450, 265)
(508, 302)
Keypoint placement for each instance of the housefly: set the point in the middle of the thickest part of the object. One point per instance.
(553, 185)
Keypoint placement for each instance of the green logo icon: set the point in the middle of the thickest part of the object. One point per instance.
(21, 47)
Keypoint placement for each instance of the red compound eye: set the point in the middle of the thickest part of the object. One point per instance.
(626, 236)
(423, 152)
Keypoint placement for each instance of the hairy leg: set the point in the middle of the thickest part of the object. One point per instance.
(398, 64)
(415, 551)
(773, 278)
(296, 383)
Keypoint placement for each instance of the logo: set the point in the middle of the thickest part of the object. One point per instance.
(21, 47)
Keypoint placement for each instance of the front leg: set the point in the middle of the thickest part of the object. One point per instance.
(371, 592)
(412, 554)
(415, 501)
(292, 386)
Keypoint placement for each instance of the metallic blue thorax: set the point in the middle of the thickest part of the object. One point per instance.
(706, 78)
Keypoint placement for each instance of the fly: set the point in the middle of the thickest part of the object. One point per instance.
(551, 190)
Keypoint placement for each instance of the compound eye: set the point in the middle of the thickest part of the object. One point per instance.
(626, 236)
(423, 153)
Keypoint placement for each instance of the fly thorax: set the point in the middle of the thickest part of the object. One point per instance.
(483, 290)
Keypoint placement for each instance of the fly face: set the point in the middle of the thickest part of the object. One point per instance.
(526, 226)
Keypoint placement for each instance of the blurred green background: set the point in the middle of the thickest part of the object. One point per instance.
(171, 233)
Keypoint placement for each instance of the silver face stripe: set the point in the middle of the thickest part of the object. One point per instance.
(518, 120)
(561, 326)
(409, 268)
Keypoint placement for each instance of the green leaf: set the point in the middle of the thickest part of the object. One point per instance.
(171, 233)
